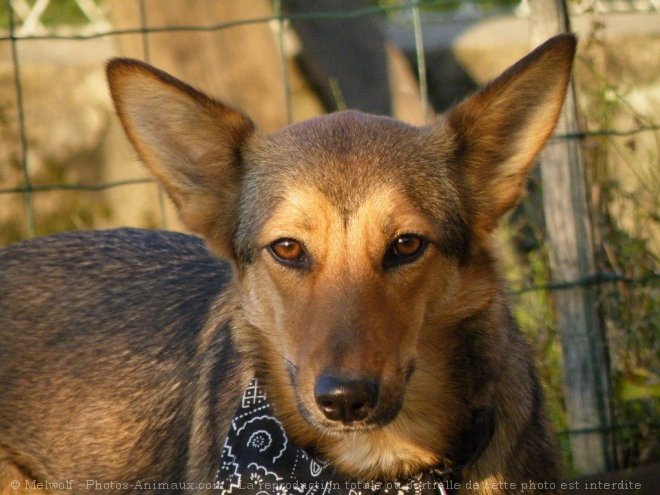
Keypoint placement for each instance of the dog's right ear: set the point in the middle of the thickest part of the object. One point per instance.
(190, 142)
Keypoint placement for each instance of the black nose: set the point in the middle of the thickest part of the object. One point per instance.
(345, 400)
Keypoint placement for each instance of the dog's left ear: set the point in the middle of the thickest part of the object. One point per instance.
(193, 144)
(500, 129)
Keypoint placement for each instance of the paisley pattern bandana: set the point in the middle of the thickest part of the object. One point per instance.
(258, 458)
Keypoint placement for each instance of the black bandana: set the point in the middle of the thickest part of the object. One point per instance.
(258, 458)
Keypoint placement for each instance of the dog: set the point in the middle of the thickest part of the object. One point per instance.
(346, 265)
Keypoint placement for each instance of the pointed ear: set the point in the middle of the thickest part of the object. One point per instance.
(501, 128)
(190, 142)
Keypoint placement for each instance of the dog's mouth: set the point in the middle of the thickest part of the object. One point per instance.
(334, 428)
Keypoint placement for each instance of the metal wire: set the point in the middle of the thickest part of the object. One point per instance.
(20, 108)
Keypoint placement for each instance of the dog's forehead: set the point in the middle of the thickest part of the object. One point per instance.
(348, 143)
(347, 155)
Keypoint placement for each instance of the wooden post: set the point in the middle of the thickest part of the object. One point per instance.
(585, 372)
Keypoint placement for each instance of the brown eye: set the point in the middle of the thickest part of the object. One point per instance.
(404, 249)
(289, 252)
(407, 245)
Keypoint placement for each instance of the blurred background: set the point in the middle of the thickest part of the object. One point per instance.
(65, 164)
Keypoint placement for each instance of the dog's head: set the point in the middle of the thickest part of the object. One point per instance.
(359, 242)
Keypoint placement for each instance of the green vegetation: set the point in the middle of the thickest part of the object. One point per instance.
(58, 12)
(624, 184)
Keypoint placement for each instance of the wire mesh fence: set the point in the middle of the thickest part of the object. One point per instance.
(44, 191)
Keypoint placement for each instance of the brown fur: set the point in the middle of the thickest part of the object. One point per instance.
(457, 387)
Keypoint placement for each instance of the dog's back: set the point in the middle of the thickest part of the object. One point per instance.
(98, 335)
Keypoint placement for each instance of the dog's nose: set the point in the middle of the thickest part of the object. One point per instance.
(345, 400)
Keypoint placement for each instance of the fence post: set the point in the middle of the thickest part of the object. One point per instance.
(585, 371)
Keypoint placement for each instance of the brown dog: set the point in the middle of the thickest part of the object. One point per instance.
(359, 286)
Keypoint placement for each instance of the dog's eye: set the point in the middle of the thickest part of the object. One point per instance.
(404, 249)
(289, 252)
(407, 245)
